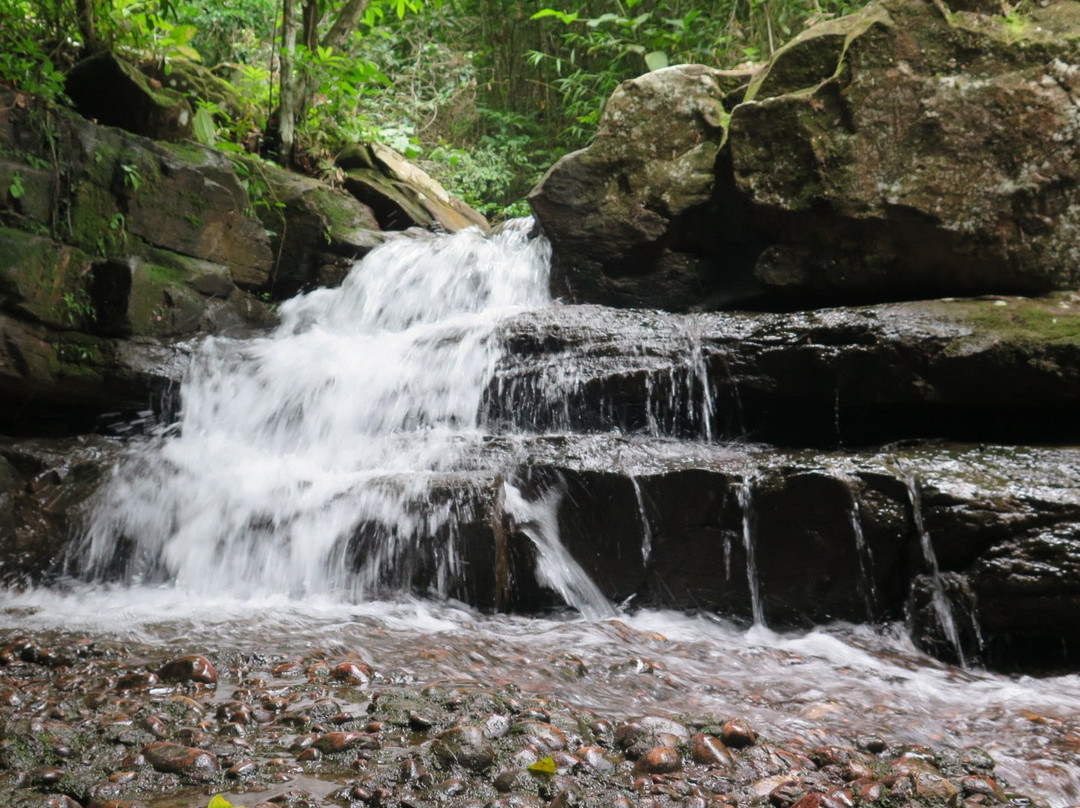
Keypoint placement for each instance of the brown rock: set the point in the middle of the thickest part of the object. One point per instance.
(183, 760)
(738, 734)
(659, 760)
(189, 669)
(708, 750)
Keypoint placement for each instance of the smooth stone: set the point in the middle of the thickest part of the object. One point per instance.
(190, 668)
(737, 734)
(660, 760)
(466, 746)
(183, 760)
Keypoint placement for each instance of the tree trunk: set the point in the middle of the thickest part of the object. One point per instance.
(288, 84)
(84, 14)
(345, 24)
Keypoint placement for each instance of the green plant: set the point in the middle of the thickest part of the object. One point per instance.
(78, 307)
(131, 177)
(118, 234)
(15, 187)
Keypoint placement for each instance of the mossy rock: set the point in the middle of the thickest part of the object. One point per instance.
(45, 280)
(112, 91)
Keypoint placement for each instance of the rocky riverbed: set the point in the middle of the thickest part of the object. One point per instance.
(437, 719)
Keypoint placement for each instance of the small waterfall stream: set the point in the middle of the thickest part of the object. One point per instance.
(313, 469)
(342, 427)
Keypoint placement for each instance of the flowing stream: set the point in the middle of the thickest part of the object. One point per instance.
(346, 430)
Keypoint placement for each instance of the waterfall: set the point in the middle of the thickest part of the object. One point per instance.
(337, 432)
(555, 567)
(745, 493)
(938, 599)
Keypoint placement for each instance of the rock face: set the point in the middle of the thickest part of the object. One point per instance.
(635, 219)
(895, 153)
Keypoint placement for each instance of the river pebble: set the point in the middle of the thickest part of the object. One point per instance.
(126, 730)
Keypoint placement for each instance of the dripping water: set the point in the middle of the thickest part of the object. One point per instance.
(643, 517)
(866, 559)
(745, 495)
(555, 567)
(939, 600)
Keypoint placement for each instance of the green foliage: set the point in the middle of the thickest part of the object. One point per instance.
(15, 187)
(28, 32)
(78, 307)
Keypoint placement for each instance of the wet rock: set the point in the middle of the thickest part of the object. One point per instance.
(333, 742)
(186, 761)
(659, 760)
(465, 746)
(190, 668)
(353, 672)
(709, 750)
(935, 788)
(548, 736)
(737, 733)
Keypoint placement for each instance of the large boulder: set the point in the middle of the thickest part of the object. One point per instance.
(316, 232)
(111, 91)
(635, 218)
(901, 152)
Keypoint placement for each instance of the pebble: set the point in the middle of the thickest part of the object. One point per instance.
(660, 760)
(709, 750)
(737, 734)
(190, 668)
(183, 760)
(351, 672)
(466, 746)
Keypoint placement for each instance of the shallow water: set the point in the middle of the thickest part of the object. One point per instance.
(829, 685)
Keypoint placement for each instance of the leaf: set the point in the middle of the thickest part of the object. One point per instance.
(656, 60)
(545, 765)
(218, 801)
(205, 131)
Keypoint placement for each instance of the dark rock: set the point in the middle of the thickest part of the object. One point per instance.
(113, 92)
(190, 668)
(894, 153)
(935, 145)
(737, 734)
(318, 232)
(464, 746)
(632, 219)
(197, 764)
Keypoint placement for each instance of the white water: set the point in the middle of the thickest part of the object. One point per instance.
(825, 686)
(290, 447)
(350, 413)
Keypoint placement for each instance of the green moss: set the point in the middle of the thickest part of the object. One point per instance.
(1054, 319)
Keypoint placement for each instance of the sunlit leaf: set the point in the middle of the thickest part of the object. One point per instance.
(546, 765)
(656, 60)
(218, 801)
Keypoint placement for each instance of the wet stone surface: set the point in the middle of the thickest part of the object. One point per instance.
(90, 725)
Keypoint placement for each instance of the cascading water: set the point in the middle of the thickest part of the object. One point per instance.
(341, 437)
(343, 423)
(939, 600)
(745, 495)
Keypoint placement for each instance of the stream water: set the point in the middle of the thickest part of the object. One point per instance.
(236, 530)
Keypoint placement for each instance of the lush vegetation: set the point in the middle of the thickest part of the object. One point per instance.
(485, 93)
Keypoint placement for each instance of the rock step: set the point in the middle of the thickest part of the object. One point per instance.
(835, 536)
(1003, 369)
